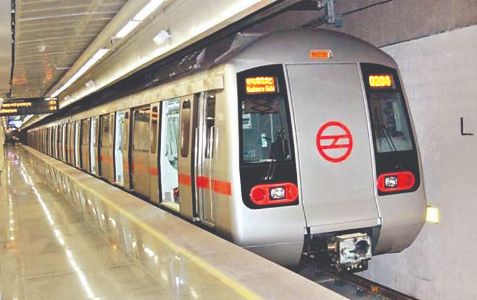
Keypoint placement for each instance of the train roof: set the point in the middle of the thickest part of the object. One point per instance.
(293, 47)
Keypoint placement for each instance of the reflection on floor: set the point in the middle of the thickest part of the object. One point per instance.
(56, 242)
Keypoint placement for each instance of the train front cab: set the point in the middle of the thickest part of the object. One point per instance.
(320, 146)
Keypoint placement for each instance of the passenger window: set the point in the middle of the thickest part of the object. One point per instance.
(210, 123)
(185, 128)
(141, 129)
(154, 119)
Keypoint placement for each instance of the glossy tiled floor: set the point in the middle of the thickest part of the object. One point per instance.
(52, 247)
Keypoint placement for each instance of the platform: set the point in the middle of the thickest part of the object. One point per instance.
(67, 235)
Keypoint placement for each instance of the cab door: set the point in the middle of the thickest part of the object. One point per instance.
(334, 147)
(203, 152)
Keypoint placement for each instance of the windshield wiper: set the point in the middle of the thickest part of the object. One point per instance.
(388, 137)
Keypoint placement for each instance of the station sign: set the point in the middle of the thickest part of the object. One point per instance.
(29, 106)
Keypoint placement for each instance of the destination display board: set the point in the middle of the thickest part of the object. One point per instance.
(28, 106)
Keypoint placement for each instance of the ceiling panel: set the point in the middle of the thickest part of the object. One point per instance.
(5, 47)
(50, 35)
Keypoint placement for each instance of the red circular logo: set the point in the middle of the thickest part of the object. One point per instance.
(334, 141)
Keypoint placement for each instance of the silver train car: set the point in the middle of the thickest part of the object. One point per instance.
(299, 142)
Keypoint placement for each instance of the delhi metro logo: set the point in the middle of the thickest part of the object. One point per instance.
(334, 141)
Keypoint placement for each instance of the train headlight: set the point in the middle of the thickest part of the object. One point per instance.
(396, 182)
(391, 181)
(283, 193)
(277, 193)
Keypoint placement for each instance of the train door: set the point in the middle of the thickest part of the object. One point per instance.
(169, 154)
(187, 180)
(48, 138)
(84, 141)
(64, 147)
(333, 145)
(153, 157)
(93, 150)
(121, 149)
(77, 144)
(111, 147)
(71, 143)
(54, 143)
(58, 139)
(140, 150)
(203, 151)
(66, 142)
(105, 150)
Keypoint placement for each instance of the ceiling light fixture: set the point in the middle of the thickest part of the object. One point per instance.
(93, 60)
(130, 26)
(147, 10)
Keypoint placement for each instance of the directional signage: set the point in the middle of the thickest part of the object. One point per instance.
(28, 106)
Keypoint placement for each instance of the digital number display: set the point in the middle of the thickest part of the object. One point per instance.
(380, 81)
(261, 85)
(28, 106)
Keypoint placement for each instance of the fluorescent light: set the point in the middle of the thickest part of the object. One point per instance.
(93, 60)
(161, 37)
(147, 10)
(127, 29)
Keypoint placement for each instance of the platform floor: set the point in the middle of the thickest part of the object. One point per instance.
(56, 242)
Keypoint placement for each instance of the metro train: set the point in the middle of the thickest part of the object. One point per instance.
(297, 142)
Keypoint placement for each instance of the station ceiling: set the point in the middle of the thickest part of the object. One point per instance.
(54, 38)
(50, 36)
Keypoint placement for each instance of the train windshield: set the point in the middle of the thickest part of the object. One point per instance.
(264, 130)
(265, 134)
(390, 127)
(389, 117)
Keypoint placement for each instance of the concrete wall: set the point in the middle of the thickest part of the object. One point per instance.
(440, 77)
(402, 20)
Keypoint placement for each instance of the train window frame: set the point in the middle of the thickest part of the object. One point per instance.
(210, 125)
(154, 117)
(271, 171)
(282, 99)
(391, 161)
(185, 122)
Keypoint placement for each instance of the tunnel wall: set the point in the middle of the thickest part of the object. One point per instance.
(440, 77)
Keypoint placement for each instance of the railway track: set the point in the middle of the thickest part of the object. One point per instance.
(348, 285)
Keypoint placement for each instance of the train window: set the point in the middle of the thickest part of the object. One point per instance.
(389, 118)
(391, 130)
(265, 129)
(154, 120)
(169, 151)
(142, 117)
(265, 125)
(185, 127)
(210, 123)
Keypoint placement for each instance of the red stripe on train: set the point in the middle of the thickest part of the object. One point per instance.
(204, 182)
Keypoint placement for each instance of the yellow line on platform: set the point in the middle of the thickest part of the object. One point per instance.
(238, 287)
